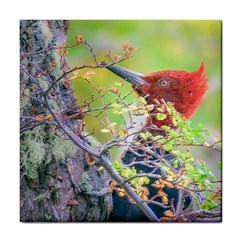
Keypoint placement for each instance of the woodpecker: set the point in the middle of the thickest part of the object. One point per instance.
(185, 90)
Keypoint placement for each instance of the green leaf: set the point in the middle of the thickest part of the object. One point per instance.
(143, 136)
(212, 176)
(200, 136)
(200, 127)
(142, 100)
(188, 139)
(208, 195)
(208, 184)
(169, 145)
(161, 116)
(209, 205)
(215, 139)
(219, 164)
(146, 180)
(207, 133)
(195, 199)
(134, 181)
(134, 171)
(116, 105)
(175, 163)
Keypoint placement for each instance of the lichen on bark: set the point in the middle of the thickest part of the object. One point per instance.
(51, 165)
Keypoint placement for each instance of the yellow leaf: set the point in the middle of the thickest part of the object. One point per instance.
(88, 74)
(170, 177)
(162, 109)
(74, 74)
(103, 89)
(112, 124)
(114, 89)
(105, 130)
(170, 103)
(73, 77)
(164, 199)
(168, 184)
(164, 219)
(121, 192)
(115, 105)
(133, 108)
(39, 75)
(215, 139)
(142, 100)
(141, 181)
(161, 193)
(132, 49)
(113, 184)
(168, 213)
(119, 84)
(206, 144)
(122, 131)
(117, 112)
(39, 117)
(100, 168)
(49, 116)
(145, 198)
(200, 186)
(141, 190)
(125, 110)
(156, 184)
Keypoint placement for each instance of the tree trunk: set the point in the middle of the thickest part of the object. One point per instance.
(58, 183)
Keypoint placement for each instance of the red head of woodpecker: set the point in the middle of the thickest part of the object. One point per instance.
(184, 89)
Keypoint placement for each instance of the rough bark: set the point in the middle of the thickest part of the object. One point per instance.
(54, 186)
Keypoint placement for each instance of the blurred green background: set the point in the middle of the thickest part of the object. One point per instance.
(161, 44)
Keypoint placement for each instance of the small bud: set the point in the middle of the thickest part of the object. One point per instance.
(125, 46)
(78, 39)
(53, 64)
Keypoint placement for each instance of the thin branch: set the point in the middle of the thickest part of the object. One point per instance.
(29, 128)
(158, 204)
(37, 52)
(202, 214)
(158, 176)
(211, 146)
(179, 202)
(90, 49)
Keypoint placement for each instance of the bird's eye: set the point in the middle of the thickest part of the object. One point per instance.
(163, 82)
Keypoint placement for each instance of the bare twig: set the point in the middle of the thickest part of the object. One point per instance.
(179, 202)
(157, 176)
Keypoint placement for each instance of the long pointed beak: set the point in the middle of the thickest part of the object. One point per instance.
(132, 77)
